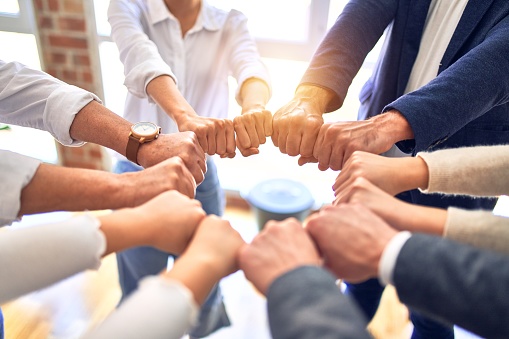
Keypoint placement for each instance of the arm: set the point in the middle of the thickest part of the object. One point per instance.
(31, 258)
(53, 188)
(444, 106)
(170, 300)
(466, 288)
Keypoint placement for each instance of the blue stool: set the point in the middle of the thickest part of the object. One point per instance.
(279, 199)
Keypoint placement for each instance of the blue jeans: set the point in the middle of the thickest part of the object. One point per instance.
(1, 325)
(368, 294)
(136, 263)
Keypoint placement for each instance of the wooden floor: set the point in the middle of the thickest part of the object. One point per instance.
(69, 308)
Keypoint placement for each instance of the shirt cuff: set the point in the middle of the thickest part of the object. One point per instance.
(389, 257)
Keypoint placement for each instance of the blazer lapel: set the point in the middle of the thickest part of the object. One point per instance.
(472, 15)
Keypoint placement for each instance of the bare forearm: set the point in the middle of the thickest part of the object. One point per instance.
(255, 94)
(59, 188)
(95, 123)
(424, 219)
(315, 96)
(197, 274)
(165, 93)
(394, 126)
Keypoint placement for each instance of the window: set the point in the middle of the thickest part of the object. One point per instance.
(17, 29)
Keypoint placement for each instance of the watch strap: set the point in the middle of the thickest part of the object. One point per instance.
(131, 152)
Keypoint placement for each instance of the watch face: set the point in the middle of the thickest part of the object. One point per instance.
(145, 128)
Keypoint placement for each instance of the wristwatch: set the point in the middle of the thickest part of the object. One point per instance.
(141, 133)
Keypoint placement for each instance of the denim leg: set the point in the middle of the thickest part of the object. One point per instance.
(367, 295)
(134, 264)
(1, 325)
(425, 327)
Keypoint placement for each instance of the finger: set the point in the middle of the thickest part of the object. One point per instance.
(220, 139)
(319, 141)
(242, 135)
(230, 137)
(305, 160)
(259, 128)
(324, 158)
(203, 140)
(251, 129)
(336, 159)
(211, 139)
(293, 142)
(283, 136)
(308, 142)
(246, 152)
(267, 123)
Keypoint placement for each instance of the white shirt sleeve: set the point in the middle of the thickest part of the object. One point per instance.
(139, 55)
(16, 171)
(160, 308)
(389, 257)
(35, 257)
(35, 99)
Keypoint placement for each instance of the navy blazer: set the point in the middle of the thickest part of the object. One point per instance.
(467, 104)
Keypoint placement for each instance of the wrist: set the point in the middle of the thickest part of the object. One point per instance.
(417, 174)
(316, 97)
(394, 126)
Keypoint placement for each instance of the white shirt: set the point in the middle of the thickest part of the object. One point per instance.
(150, 42)
(441, 22)
(35, 99)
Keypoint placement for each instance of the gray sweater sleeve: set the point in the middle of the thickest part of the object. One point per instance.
(35, 257)
(480, 171)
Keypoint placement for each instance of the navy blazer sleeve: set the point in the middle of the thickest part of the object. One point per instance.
(343, 50)
(473, 85)
(306, 303)
(456, 283)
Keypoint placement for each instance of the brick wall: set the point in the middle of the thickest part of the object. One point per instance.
(68, 45)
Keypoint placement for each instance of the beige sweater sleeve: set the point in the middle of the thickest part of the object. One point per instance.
(478, 228)
(480, 171)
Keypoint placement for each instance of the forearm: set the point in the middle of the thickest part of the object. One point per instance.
(199, 275)
(316, 97)
(421, 219)
(55, 188)
(255, 94)
(95, 123)
(165, 93)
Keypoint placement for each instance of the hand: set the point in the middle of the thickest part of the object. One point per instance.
(252, 128)
(279, 248)
(218, 243)
(184, 145)
(351, 239)
(211, 255)
(336, 142)
(395, 212)
(216, 136)
(171, 174)
(399, 214)
(295, 127)
(170, 220)
(393, 175)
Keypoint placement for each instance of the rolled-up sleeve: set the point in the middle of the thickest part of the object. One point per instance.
(16, 171)
(139, 55)
(245, 61)
(35, 99)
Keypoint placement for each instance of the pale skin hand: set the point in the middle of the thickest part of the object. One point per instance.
(399, 214)
(210, 256)
(295, 126)
(351, 239)
(255, 122)
(166, 222)
(94, 119)
(393, 175)
(336, 142)
(104, 190)
(216, 136)
(279, 248)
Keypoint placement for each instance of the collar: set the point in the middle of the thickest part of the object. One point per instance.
(209, 18)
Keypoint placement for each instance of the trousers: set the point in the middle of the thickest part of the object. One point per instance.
(134, 264)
